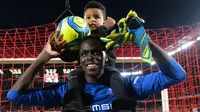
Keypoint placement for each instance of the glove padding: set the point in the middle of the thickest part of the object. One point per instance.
(119, 35)
(115, 39)
(132, 27)
(140, 38)
(112, 40)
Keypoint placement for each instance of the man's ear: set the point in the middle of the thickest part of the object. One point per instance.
(105, 57)
(78, 60)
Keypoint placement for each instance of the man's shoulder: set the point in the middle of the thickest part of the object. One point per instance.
(130, 79)
(57, 85)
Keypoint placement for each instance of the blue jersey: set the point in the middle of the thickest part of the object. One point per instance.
(101, 95)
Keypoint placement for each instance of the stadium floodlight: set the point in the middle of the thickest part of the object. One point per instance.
(50, 71)
(188, 44)
(1, 72)
(131, 73)
(153, 63)
(172, 53)
(198, 38)
(127, 58)
(15, 71)
(66, 71)
(182, 47)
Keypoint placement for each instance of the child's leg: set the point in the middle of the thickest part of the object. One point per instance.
(76, 79)
(119, 90)
(116, 83)
(75, 89)
(122, 101)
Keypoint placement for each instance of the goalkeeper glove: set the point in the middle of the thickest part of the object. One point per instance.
(135, 26)
(134, 31)
(118, 35)
(111, 40)
(115, 38)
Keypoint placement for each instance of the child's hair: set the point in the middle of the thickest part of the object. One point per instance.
(95, 4)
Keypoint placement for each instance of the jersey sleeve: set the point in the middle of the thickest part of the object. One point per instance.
(50, 96)
(143, 86)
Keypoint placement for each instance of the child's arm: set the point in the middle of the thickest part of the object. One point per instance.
(116, 82)
(109, 23)
(76, 79)
(107, 27)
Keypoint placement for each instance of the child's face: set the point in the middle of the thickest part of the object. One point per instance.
(94, 17)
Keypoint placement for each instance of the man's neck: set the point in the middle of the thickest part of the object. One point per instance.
(91, 79)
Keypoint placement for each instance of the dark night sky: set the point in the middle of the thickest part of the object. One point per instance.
(157, 13)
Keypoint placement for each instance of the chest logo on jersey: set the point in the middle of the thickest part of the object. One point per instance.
(101, 107)
(109, 91)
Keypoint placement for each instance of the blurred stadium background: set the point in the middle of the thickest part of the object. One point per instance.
(19, 48)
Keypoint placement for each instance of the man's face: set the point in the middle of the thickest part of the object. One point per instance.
(94, 17)
(92, 60)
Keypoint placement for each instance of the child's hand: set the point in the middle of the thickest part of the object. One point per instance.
(109, 23)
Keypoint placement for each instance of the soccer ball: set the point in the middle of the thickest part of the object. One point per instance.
(73, 29)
